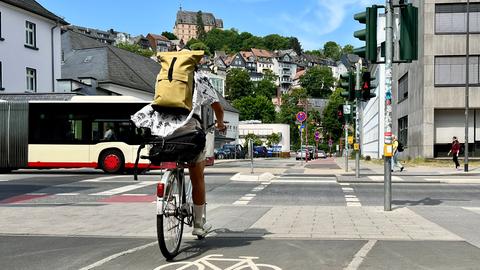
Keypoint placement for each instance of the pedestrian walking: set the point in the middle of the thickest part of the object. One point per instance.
(397, 148)
(455, 150)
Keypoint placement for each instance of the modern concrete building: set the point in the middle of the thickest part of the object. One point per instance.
(263, 130)
(429, 94)
(30, 51)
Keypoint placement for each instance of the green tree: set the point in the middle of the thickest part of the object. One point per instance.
(318, 81)
(330, 121)
(238, 84)
(347, 49)
(318, 53)
(200, 46)
(276, 42)
(266, 88)
(255, 108)
(253, 42)
(135, 48)
(332, 50)
(273, 139)
(295, 45)
(169, 35)
(288, 111)
(256, 140)
(201, 34)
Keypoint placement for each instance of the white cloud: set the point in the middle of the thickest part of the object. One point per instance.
(317, 19)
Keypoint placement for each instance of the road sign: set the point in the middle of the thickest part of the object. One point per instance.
(350, 139)
(301, 116)
(330, 142)
(356, 147)
(346, 109)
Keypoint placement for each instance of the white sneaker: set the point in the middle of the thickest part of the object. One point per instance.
(202, 230)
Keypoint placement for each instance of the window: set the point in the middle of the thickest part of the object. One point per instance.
(403, 130)
(451, 70)
(403, 88)
(30, 35)
(452, 18)
(1, 76)
(31, 79)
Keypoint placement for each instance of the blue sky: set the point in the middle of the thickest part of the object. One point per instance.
(313, 22)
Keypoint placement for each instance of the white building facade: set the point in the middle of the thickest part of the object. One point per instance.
(30, 50)
(373, 111)
(263, 130)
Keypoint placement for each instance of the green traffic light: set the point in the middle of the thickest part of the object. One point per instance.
(369, 34)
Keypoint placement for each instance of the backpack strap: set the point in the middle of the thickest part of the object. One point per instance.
(170, 69)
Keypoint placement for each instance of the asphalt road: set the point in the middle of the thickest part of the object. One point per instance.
(444, 204)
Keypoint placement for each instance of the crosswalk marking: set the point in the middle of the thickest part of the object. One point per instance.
(123, 189)
(99, 179)
(455, 180)
(381, 177)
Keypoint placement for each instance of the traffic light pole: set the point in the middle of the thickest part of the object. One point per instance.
(388, 151)
(346, 143)
(358, 66)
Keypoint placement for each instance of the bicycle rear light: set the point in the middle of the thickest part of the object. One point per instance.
(160, 189)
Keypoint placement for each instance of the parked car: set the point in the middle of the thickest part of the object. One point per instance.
(321, 154)
(220, 153)
(240, 151)
(301, 155)
(260, 151)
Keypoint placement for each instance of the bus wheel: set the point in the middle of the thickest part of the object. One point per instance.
(112, 161)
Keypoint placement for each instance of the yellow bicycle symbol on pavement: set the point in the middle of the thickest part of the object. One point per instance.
(207, 263)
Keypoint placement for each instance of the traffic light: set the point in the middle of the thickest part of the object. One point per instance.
(367, 86)
(340, 116)
(369, 34)
(347, 83)
(408, 33)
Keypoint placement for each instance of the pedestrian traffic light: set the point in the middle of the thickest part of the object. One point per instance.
(340, 116)
(367, 86)
(369, 34)
(408, 32)
(347, 83)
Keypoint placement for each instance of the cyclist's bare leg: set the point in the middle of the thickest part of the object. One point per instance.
(198, 182)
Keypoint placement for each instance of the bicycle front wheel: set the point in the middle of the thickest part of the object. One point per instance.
(170, 223)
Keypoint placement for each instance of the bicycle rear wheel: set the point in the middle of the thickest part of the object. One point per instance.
(170, 223)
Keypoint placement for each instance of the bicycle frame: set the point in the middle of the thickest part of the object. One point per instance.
(186, 210)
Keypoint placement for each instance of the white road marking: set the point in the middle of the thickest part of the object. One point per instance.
(347, 189)
(344, 184)
(455, 180)
(36, 194)
(67, 194)
(360, 255)
(123, 189)
(99, 179)
(241, 202)
(380, 178)
(304, 181)
(114, 256)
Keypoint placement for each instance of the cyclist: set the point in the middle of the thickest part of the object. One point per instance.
(164, 124)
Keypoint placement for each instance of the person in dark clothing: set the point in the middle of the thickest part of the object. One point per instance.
(455, 150)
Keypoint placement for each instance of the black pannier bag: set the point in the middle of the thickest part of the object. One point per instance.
(182, 147)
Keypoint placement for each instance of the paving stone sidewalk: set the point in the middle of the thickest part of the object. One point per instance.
(309, 222)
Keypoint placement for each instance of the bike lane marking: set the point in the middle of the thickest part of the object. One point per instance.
(360, 255)
(114, 256)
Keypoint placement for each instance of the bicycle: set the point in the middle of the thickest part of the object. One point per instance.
(174, 195)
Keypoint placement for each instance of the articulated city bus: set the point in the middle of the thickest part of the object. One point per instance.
(70, 131)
